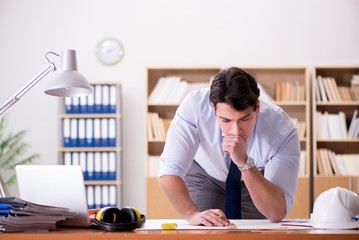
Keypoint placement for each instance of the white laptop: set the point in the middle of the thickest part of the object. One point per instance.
(55, 185)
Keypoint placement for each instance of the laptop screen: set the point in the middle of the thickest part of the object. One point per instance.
(55, 185)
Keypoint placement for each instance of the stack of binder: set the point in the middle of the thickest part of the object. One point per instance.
(90, 132)
(103, 100)
(17, 215)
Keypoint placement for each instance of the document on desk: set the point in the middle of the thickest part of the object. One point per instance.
(181, 224)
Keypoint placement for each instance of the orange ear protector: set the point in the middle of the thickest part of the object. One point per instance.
(114, 219)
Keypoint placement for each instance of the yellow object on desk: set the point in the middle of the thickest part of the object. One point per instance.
(169, 225)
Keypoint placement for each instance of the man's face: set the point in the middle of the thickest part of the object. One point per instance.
(236, 123)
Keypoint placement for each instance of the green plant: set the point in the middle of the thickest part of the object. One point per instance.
(12, 148)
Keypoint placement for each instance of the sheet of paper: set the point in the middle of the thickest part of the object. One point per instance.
(156, 224)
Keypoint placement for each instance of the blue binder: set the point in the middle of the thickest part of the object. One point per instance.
(104, 132)
(105, 166)
(73, 132)
(90, 166)
(83, 105)
(98, 171)
(112, 132)
(91, 102)
(98, 99)
(113, 98)
(75, 105)
(105, 99)
(89, 135)
(82, 132)
(97, 132)
(112, 166)
(68, 105)
(66, 132)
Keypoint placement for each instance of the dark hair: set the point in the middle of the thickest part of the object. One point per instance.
(236, 88)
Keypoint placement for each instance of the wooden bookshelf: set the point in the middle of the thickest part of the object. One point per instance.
(299, 109)
(342, 76)
(156, 204)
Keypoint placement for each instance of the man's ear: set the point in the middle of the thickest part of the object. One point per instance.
(258, 107)
(214, 110)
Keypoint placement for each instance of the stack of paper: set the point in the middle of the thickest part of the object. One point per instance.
(17, 215)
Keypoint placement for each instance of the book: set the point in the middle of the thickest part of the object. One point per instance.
(323, 93)
(353, 123)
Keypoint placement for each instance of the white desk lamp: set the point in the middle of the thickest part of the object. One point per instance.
(68, 83)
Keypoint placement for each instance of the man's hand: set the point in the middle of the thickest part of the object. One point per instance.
(236, 147)
(209, 218)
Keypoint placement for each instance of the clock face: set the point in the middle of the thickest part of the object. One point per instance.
(109, 51)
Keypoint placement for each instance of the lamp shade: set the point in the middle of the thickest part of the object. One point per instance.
(68, 82)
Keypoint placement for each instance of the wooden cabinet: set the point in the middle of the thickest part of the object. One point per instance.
(270, 78)
(91, 137)
(324, 110)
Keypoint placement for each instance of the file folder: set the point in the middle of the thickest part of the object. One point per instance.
(105, 195)
(67, 158)
(75, 105)
(90, 196)
(113, 195)
(98, 175)
(74, 132)
(83, 105)
(91, 103)
(104, 132)
(90, 166)
(105, 99)
(89, 133)
(112, 166)
(83, 164)
(66, 132)
(97, 132)
(112, 132)
(105, 167)
(113, 98)
(75, 158)
(98, 197)
(68, 105)
(82, 132)
(98, 98)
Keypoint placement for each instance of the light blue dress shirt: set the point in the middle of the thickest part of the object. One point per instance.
(195, 134)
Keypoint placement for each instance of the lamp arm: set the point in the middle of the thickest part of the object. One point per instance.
(51, 67)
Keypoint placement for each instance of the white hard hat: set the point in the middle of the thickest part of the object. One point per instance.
(336, 208)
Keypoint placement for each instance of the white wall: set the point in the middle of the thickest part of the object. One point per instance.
(158, 33)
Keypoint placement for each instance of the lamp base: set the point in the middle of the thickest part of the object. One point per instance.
(3, 189)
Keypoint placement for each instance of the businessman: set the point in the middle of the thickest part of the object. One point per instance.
(229, 155)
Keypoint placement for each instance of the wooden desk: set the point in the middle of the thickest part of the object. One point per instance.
(97, 234)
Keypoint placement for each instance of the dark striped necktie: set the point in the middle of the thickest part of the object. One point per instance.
(233, 193)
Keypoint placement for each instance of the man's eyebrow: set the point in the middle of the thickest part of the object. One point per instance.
(239, 119)
(224, 118)
(246, 116)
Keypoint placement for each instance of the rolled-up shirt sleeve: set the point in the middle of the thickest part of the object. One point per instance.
(282, 169)
(181, 142)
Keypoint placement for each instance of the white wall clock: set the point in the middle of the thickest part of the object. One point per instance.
(109, 51)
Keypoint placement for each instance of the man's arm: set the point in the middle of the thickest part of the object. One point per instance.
(267, 198)
(177, 194)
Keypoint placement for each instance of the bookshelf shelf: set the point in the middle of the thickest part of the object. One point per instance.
(90, 116)
(91, 149)
(326, 83)
(91, 137)
(156, 203)
(103, 182)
